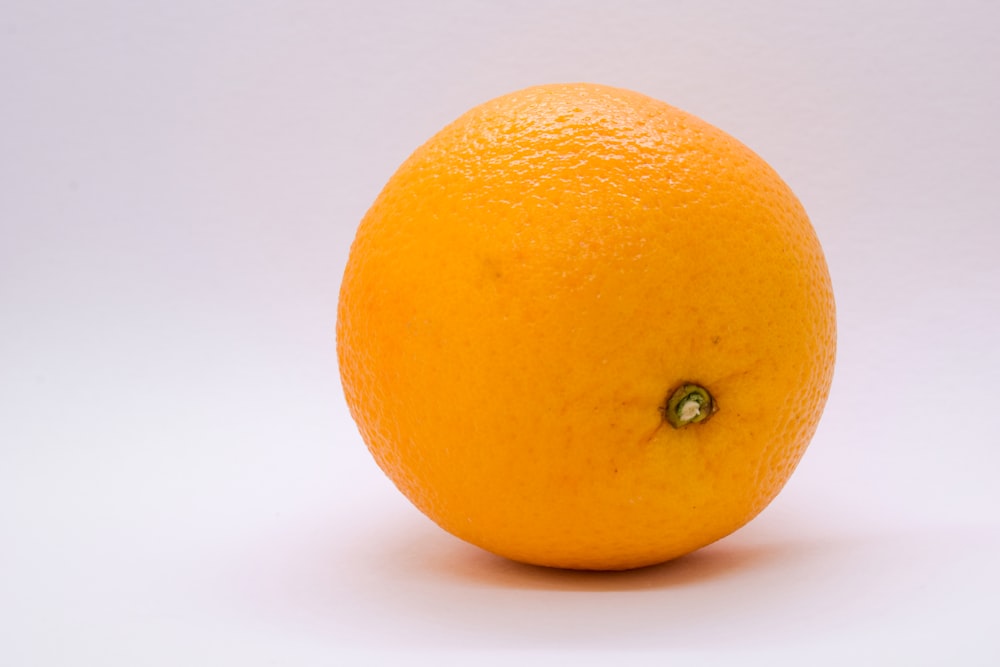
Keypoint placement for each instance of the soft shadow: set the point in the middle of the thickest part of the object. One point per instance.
(444, 558)
(432, 590)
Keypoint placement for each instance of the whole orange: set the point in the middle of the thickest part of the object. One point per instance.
(582, 328)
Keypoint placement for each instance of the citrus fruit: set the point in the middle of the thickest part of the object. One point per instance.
(585, 329)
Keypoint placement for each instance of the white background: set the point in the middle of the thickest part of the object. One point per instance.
(180, 483)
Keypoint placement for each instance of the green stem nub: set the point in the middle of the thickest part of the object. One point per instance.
(689, 404)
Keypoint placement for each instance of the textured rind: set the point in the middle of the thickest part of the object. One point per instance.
(530, 286)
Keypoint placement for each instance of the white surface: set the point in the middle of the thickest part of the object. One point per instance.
(179, 480)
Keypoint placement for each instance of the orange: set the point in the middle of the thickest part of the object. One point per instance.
(585, 329)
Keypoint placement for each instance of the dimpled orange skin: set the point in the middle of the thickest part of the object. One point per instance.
(530, 287)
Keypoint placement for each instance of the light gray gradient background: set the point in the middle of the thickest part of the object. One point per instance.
(180, 482)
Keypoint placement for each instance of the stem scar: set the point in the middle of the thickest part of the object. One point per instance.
(690, 403)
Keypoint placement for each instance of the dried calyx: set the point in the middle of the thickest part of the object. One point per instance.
(689, 404)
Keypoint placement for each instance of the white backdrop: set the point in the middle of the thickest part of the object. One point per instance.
(180, 482)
